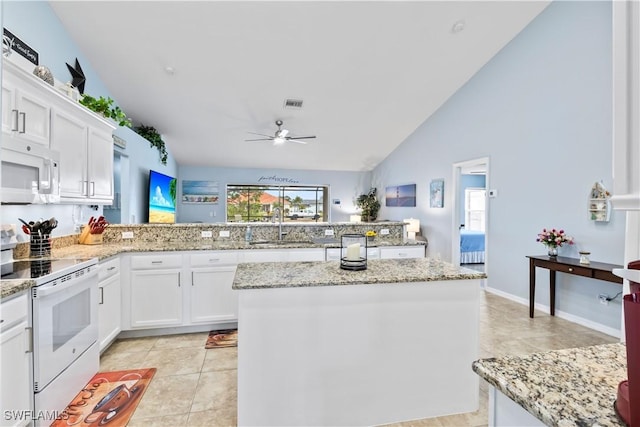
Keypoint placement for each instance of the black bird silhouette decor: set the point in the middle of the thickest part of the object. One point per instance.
(77, 76)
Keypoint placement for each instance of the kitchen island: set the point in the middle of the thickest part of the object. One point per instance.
(323, 346)
(571, 387)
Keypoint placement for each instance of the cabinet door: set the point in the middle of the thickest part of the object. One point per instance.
(33, 117)
(100, 164)
(16, 395)
(108, 310)
(212, 299)
(156, 298)
(69, 138)
(9, 112)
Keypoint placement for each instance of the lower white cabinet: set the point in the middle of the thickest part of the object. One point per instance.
(16, 395)
(211, 297)
(396, 252)
(110, 301)
(282, 255)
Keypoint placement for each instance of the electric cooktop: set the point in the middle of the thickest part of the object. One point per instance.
(45, 268)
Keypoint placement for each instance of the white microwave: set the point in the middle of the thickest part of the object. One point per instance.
(30, 173)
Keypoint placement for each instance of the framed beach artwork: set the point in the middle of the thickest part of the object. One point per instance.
(436, 195)
(401, 195)
(200, 192)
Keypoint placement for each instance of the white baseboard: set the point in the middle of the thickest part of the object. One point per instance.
(559, 313)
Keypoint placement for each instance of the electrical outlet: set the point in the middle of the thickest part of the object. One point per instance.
(208, 233)
(224, 233)
(127, 234)
(604, 299)
(384, 231)
(328, 232)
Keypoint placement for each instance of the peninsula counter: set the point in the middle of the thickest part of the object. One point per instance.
(323, 346)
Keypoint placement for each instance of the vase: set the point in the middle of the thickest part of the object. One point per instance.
(552, 251)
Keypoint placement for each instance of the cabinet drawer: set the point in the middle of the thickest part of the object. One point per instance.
(141, 262)
(607, 275)
(580, 271)
(14, 311)
(109, 268)
(214, 258)
(402, 252)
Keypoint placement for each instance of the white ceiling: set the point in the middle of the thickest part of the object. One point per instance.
(369, 72)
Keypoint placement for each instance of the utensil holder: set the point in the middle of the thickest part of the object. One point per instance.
(40, 245)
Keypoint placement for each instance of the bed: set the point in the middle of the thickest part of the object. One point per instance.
(471, 247)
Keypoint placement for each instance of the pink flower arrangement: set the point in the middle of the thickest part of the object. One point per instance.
(554, 238)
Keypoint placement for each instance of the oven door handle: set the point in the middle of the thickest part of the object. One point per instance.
(45, 290)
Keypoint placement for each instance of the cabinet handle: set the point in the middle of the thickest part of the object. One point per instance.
(156, 262)
(113, 267)
(29, 338)
(93, 188)
(402, 254)
(179, 281)
(214, 259)
(192, 279)
(570, 269)
(15, 120)
(85, 188)
(101, 296)
(24, 123)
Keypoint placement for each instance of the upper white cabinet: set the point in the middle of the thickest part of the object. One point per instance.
(25, 107)
(85, 144)
(35, 112)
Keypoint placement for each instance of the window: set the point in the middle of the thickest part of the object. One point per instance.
(256, 203)
(474, 208)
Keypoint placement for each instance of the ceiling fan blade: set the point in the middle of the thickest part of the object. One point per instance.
(261, 134)
(283, 133)
(301, 137)
(261, 139)
(295, 140)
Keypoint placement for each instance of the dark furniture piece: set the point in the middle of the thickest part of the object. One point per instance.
(594, 270)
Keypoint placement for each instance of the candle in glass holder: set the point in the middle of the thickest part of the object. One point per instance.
(353, 252)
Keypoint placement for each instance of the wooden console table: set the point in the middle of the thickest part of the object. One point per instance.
(594, 270)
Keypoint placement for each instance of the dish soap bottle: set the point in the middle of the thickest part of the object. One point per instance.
(247, 234)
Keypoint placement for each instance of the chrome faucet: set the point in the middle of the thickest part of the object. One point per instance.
(277, 212)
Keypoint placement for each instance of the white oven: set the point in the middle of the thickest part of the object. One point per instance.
(65, 333)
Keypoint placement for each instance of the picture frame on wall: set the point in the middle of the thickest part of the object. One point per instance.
(200, 192)
(401, 195)
(436, 193)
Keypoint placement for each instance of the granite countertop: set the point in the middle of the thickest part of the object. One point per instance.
(306, 274)
(105, 251)
(572, 387)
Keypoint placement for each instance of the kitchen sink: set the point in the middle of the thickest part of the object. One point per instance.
(280, 242)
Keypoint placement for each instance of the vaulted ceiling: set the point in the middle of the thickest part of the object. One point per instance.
(205, 73)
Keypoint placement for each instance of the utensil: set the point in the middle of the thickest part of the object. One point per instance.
(24, 222)
(25, 229)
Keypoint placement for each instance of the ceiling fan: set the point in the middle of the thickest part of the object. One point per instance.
(281, 136)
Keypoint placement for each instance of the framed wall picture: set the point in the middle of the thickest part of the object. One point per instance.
(200, 192)
(436, 195)
(401, 195)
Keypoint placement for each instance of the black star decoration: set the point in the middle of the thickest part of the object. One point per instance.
(77, 75)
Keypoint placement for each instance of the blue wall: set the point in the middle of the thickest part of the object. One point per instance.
(541, 111)
(36, 24)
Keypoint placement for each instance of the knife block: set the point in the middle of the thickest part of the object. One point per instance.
(92, 239)
(629, 391)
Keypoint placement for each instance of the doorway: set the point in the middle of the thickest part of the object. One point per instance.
(118, 211)
(470, 230)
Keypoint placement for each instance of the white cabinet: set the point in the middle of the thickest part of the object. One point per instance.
(25, 106)
(283, 255)
(383, 252)
(397, 252)
(109, 300)
(85, 144)
(211, 298)
(16, 395)
(155, 291)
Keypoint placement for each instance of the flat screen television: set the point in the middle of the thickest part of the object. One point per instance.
(162, 198)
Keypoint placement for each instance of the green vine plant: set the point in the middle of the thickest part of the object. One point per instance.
(106, 107)
(151, 134)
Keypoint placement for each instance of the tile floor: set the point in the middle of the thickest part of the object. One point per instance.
(197, 387)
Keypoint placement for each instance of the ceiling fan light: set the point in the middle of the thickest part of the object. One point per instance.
(278, 140)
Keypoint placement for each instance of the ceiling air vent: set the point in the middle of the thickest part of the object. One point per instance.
(293, 103)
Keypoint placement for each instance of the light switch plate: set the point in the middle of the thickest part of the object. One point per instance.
(208, 233)
(328, 232)
(127, 234)
(224, 233)
(493, 193)
(384, 231)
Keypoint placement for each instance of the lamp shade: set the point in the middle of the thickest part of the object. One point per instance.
(413, 227)
(355, 218)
